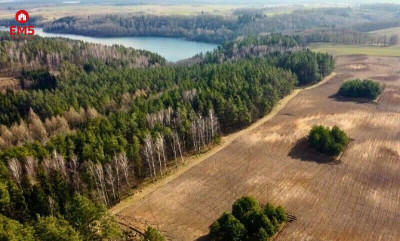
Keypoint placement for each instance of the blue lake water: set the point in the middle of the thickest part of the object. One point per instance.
(172, 49)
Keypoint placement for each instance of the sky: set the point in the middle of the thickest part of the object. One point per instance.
(202, 1)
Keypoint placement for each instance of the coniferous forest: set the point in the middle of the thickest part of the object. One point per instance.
(90, 123)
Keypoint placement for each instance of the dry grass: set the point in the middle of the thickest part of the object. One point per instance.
(355, 199)
(387, 31)
(342, 49)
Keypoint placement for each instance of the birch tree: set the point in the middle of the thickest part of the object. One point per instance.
(123, 164)
(98, 175)
(31, 168)
(16, 171)
(149, 155)
(110, 179)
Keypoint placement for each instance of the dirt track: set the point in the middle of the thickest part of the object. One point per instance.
(356, 199)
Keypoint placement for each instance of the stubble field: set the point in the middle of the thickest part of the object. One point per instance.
(356, 198)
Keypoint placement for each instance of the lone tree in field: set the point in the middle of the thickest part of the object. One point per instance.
(248, 221)
(327, 141)
(360, 89)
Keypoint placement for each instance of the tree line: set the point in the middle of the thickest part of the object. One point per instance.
(348, 36)
(214, 28)
(17, 54)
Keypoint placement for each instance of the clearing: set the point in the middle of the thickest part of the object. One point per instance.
(357, 198)
(343, 49)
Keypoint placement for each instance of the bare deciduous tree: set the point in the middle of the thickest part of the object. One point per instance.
(110, 179)
(74, 170)
(31, 165)
(16, 170)
(6, 135)
(149, 156)
(98, 175)
(213, 123)
(75, 118)
(59, 163)
(57, 125)
(91, 113)
(36, 127)
(20, 134)
(123, 164)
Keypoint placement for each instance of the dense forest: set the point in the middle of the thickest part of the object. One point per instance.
(78, 141)
(214, 28)
(207, 28)
(287, 52)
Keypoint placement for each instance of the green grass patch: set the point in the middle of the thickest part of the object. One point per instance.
(341, 49)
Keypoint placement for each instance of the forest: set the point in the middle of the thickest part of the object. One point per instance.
(354, 23)
(347, 36)
(17, 55)
(79, 140)
(287, 52)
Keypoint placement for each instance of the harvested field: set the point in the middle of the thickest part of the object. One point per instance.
(355, 198)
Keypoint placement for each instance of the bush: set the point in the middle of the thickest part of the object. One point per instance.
(360, 89)
(153, 234)
(227, 227)
(243, 206)
(248, 221)
(326, 141)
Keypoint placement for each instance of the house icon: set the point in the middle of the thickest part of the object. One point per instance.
(22, 17)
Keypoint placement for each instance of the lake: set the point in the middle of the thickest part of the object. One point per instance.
(172, 49)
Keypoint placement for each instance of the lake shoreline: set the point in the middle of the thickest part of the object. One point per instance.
(172, 49)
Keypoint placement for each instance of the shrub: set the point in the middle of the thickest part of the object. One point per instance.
(153, 234)
(248, 221)
(227, 227)
(360, 89)
(243, 206)
(326, 141)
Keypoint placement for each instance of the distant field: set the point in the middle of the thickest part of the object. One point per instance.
(341, 50)
(387, 31)
(53, 12)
